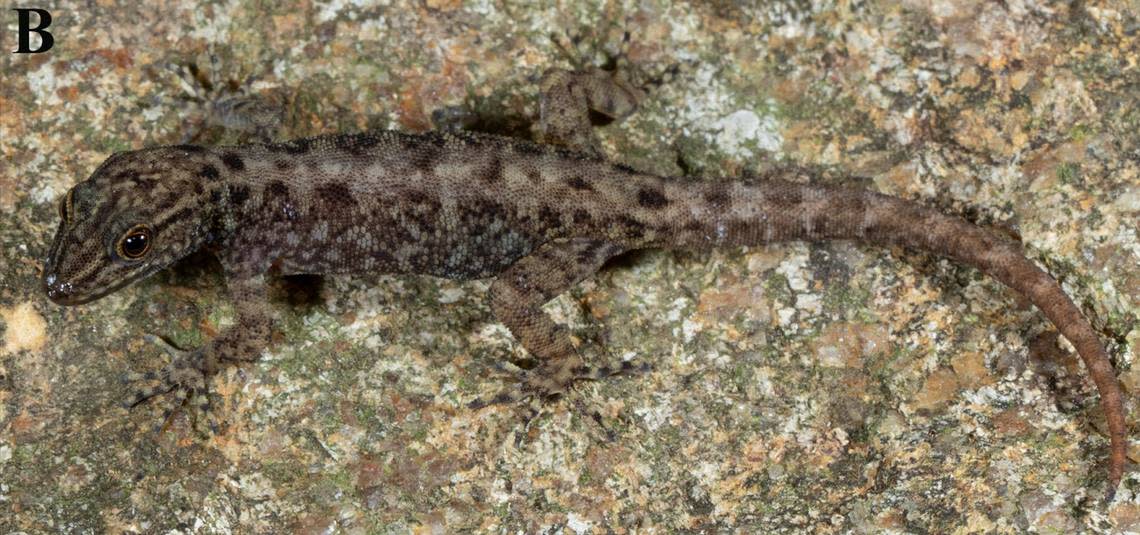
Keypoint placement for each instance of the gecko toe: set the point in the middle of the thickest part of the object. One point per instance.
(165, 346)
(551, 380)
(626, 367)
(505, 397)
(143, 394)
(532, 385)
(205, 421)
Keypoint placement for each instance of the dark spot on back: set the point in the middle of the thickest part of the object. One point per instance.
(826, 223)
(533, 176)
(233, 161)
(493, 172)
(336, 194)
(193, 149)
(416, 197)
(581, 216)
(786, 198)
(276, 188)
(549, 217)
(717, 196)
(282, 163)
(579, 183)
(652, 198)
(277, 193)
(239, 194)
(209, 172)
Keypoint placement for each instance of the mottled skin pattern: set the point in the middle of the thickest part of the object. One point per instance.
(536, 218)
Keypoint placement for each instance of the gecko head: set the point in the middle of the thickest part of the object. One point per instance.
(139, 212)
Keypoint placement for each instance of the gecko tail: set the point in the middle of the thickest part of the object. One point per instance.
(736, 213)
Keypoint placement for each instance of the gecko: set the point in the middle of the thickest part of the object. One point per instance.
(537, 218)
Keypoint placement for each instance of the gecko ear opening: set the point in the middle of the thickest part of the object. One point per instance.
(66, 208)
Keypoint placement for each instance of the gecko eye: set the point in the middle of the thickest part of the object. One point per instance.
(135, 243)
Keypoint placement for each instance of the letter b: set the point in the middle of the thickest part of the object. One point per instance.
(26, 29)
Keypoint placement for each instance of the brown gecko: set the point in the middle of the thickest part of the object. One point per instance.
(538, 218)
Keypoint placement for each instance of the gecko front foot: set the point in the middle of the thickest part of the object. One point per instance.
(184, 377)
(552, 379)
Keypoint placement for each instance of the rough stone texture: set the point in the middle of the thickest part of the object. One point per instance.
(823, 388)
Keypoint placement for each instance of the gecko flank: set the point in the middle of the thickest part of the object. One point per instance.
(536, 218)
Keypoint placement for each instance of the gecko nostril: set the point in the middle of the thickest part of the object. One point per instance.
(59, 292)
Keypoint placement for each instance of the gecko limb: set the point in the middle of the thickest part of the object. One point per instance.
(517, 296)
(569, 97)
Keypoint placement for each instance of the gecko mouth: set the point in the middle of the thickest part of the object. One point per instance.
(65, 293)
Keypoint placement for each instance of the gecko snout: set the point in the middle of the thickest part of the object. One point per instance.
(61, 293)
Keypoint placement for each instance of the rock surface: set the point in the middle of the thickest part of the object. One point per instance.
(796, 388)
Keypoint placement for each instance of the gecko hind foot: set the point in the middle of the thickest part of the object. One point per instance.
(184, 379)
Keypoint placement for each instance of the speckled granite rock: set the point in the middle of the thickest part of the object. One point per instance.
(823, 388)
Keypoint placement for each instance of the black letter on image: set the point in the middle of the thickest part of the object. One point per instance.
(25, 28)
